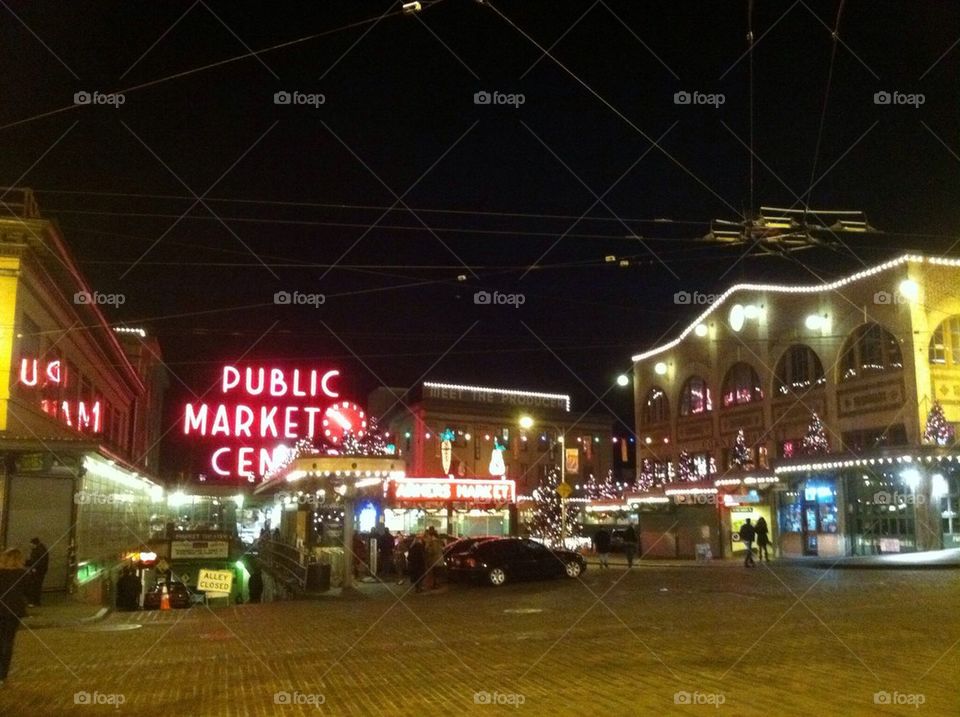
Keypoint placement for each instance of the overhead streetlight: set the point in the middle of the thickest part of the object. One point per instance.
(623, 380)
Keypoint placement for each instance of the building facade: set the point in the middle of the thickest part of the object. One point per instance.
(79, 420)
(869, 354)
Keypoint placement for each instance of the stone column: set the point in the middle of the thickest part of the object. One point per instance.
(349, 501)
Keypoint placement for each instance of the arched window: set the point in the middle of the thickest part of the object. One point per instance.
(656, 408)
(695, 397)
(870, 350)
(798, 370)
(742, 385)
(945, 343)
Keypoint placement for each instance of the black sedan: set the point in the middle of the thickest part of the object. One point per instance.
(496, 562)
(462, 545)
(179, 596)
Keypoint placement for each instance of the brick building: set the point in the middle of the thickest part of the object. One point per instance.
(869, 353)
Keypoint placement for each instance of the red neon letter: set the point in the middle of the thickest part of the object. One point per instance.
(323, 384)
(278, 386)
(244, 461)
(250, 389)
(244, 419)
(194, 419)
(231, 378)
(215, 465)
(53, 372)
(26, 379)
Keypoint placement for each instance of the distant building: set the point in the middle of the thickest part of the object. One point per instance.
(79, 407)
(868, 353)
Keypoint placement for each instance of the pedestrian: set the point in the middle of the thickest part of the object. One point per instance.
(360, 554)
(385, 548)
(255, 586)
(601, 544)
(417, 563)
(747, 534)
(128, 590)
(763, 539)
(630, 544)
(433, 547)
(400, 559)
(13, 604)
(37, 564)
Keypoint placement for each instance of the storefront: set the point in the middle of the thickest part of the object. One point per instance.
(887, 501)
(453, 506)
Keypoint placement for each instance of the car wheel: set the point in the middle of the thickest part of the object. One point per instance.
(496, 577)
(573, 569)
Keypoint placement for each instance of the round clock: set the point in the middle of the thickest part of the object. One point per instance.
(343, 418)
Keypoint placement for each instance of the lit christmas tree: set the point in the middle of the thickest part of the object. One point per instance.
(686, 470)
(370, 443)
(939, 431)
(816, 439)
(740, 454)
(602, 490)
(645, 479)
(547, 511)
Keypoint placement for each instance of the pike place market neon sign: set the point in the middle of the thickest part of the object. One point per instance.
(263, 405)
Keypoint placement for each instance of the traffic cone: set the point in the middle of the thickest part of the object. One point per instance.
(164, 599)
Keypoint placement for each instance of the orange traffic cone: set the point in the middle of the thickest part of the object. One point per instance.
(164, 599)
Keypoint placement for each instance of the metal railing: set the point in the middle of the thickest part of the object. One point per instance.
(285, 560)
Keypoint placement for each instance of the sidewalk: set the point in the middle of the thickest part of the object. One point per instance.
(930, 560)
(62, 610)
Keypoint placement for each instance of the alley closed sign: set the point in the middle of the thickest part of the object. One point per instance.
(215, 581)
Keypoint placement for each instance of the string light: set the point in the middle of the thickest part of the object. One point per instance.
(501, 391)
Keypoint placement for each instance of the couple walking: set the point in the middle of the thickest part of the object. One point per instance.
(602, 542)
(759, 532)
(425, 559)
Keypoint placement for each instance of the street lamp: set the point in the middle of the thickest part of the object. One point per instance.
(527, 422)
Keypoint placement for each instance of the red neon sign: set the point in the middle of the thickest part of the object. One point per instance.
(455, 490)
(270, 404)
(85, 416)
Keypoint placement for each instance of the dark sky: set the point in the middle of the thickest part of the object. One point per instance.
(496, 185)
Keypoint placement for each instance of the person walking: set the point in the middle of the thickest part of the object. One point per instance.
(400, 559)
(601, 544)
(37, 564)
(763, 539)
(434, 555)
(385, 550)
(128, 590)
(630, 545)
(747, 534)
(13, 604)
(417, 563)
(255, 586)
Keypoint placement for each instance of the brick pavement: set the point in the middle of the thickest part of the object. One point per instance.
(657, 632)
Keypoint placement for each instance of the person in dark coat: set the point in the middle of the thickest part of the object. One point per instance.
(417, 563)
(630, 544)
(128, 590)
(385, 548)
(763, 539)
(747, 535)
(601, 544)
(13, 604)
(37, 563)
(255, 586)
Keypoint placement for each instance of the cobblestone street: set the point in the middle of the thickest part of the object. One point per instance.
(768, 641)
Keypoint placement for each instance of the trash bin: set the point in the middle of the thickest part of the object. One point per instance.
(318, 577)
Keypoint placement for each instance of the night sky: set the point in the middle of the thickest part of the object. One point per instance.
(290, 190)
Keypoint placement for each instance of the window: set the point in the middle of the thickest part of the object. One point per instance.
(945, 343)
(695, 397)
(742, 385)
(798, 370)
(656, 407)
(870, 350)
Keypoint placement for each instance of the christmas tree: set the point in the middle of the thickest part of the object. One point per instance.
(686, 471)
(548, 510)
(645, 479)
(939, 431)
(816, 439)
(740, 455)
(370, 443)
(602, 490)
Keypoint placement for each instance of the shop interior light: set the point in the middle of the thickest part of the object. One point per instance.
(815, 322)
(938, 487)
(910, 476)
(909, 290)
(751, 311)
(660, 368)
(737, 317)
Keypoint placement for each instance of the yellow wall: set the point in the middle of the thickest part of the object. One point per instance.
(9, 271)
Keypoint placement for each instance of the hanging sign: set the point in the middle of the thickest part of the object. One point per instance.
(573, 459)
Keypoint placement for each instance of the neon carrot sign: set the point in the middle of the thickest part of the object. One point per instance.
(263, 405)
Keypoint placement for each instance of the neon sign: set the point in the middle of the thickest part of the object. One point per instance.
(456, 490)
(263, 405)
(85, 416)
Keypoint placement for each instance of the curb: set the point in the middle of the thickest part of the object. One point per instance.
(42, 623)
